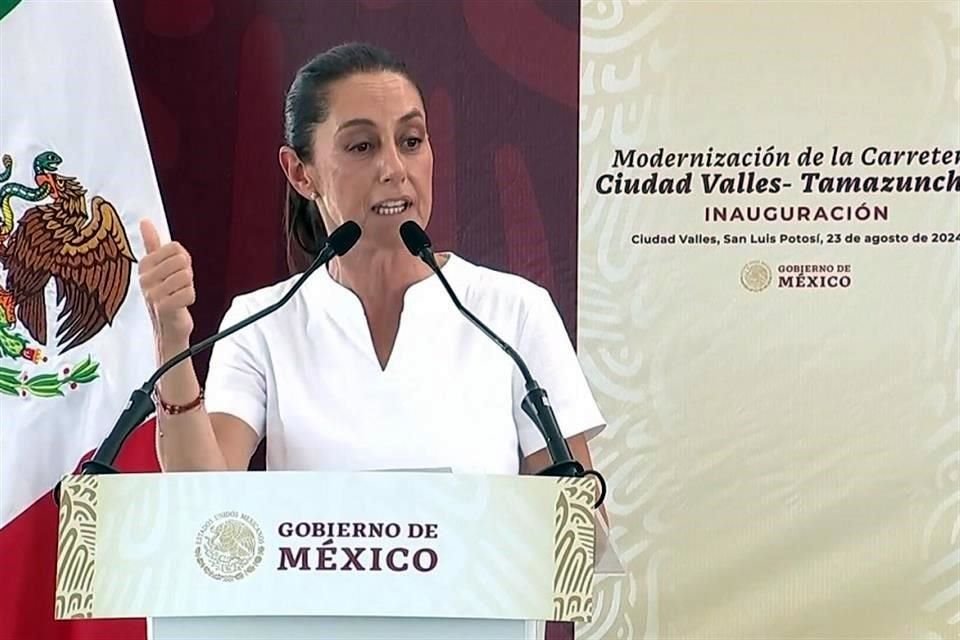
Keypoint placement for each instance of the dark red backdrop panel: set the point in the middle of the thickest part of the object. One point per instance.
(501, 84)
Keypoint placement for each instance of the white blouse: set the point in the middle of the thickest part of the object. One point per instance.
(308, 378)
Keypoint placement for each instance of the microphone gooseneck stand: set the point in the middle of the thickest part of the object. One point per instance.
(535, 403)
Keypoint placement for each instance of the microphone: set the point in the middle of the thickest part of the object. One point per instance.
(535, 404)
(140, 405)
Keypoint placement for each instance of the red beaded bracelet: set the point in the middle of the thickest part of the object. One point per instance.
(174, 409)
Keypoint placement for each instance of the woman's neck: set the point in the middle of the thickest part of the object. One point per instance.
(380, 274)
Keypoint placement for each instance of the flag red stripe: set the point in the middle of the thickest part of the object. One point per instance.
(28, 546)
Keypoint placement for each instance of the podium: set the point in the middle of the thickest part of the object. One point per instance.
(297, 555)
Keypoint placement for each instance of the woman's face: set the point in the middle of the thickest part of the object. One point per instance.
(372, 161)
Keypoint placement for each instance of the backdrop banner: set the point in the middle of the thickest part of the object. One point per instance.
(769, 312)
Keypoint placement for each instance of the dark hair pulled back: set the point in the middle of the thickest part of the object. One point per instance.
(307, 104)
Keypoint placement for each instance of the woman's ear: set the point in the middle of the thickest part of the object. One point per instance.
(296, 172)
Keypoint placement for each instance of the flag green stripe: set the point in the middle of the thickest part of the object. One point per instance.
(6, 6)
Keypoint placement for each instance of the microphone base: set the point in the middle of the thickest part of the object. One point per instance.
(573, 469)
(569, 469)
(90, 467)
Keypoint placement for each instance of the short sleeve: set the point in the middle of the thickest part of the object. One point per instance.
(236, 383)
(545, 347)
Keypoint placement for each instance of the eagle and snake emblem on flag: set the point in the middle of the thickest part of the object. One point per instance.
(87, 254)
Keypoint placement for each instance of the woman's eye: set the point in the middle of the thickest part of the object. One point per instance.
(412, 143)
(361, 147)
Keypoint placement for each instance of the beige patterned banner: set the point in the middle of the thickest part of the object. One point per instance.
(770, 315)
(377, 544)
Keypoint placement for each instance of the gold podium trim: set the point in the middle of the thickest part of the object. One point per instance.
(573, 550)
(78, 544)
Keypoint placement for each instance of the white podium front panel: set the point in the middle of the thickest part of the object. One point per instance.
(376, 544)
(340, 628)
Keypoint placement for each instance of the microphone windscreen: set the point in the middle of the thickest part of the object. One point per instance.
(344, 237)
(414, 237)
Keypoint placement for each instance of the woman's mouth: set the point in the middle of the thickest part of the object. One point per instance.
(391, 207)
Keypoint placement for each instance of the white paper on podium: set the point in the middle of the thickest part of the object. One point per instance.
(426, 470)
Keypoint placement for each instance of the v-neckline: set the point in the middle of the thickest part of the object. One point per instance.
(371, 343)
(369, 347)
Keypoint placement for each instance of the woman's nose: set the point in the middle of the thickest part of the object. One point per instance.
(392, 168)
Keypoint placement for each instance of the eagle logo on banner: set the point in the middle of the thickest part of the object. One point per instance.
(84, 251)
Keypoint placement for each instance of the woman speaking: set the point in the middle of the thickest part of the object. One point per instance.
(369, 365)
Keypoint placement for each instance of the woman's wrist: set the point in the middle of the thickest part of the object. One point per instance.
(168, 347)
(174, 387)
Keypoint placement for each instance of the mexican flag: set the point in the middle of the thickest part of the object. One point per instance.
(75, 179)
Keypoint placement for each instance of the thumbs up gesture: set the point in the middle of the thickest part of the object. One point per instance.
(166, 280)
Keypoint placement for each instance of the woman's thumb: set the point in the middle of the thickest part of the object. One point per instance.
(151, 239)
